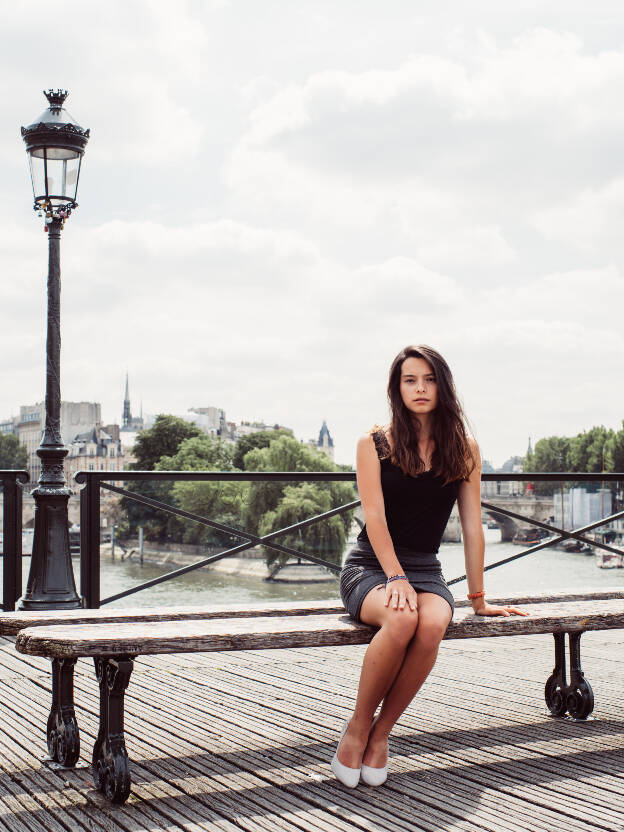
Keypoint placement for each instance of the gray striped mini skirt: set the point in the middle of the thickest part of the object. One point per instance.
(361, 573)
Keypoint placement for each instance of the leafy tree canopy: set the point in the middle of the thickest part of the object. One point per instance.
(261, 439)
(221, 501)
(617, 450)
(274, 505)
(591, 450)
(162, 439)
(597, 449)
(287, 454)
(199, 453)
(13, 456)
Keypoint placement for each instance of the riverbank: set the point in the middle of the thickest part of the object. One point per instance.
(253, 565)
(249, 564)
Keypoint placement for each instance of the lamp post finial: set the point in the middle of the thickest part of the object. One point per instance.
(56, 98)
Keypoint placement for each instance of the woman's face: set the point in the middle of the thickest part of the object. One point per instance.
(419, 388)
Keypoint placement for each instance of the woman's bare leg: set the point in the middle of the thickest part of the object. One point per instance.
(434, 615)
(382, 661)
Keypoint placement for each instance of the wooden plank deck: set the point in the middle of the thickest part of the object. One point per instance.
(232, 741)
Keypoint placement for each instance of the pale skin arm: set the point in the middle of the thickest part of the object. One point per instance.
(371, 495)
(469, 505)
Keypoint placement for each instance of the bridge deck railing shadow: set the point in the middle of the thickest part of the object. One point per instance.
(93, 482)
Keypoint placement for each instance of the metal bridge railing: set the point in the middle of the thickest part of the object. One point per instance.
(95, 481)
(11, 536)
(90, 520)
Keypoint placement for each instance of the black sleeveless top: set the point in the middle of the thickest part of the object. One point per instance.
(417, 508)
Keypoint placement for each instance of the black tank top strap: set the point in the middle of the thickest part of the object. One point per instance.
(382, 445)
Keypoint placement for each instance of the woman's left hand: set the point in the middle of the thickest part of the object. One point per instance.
(489, 609)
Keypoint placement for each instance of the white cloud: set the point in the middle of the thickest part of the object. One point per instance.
(591, 221)
(272, 205)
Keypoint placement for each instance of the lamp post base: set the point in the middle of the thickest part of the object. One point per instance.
(51, 584)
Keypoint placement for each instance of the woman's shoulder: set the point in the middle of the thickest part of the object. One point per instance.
(474, 453)
(377, 438)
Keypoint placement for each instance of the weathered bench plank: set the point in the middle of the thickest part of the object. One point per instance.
(12, 622)
(260, 633)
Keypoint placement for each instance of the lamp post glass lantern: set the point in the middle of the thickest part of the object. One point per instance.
(55, 144)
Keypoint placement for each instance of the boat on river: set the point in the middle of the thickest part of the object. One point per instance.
(529, 537)
(609, 560)
(575, 547)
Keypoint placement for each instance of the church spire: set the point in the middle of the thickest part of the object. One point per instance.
(127, 415)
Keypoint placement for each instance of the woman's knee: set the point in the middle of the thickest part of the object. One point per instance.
(401, 625)
(431, 630)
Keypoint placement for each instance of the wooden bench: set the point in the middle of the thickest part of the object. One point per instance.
(113, 639)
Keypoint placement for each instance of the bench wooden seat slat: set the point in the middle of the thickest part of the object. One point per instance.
(12, 622)
(258, 633)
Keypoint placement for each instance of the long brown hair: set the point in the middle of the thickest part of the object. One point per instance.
(452, 457)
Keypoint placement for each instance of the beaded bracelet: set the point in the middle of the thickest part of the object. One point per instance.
(396, 578)
(472, 595)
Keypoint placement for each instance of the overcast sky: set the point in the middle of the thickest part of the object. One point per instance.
(277, 196)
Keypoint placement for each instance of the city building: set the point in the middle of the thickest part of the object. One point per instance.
(324, 443)
(247, 428)
(210, 419)
(582, 507)
(9, 426)
(514, 465)
(98, 449)
(488, 489)
(76, 417)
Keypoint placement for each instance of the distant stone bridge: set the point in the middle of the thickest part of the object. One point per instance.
(535, 508)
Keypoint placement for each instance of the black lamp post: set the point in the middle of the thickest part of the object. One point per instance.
(55, 145)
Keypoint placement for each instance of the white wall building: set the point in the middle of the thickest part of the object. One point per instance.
(581, 507)
(76, 417)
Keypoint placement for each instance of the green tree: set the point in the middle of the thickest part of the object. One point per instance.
(549, 454)
(273, 505)
(261, 439)
(13, 456)
(221, 501)
(594, 450)
(617, 450)
(591, 450)
(298, 502)
(162, 439)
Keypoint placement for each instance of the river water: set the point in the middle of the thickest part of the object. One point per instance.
(548, 570)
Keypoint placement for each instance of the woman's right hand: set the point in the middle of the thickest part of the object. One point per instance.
(399, 593)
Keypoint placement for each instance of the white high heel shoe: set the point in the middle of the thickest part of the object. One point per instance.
(350, 777)
(374, 776)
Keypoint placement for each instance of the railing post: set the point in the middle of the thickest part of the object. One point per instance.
(12, 543)
(90, 543)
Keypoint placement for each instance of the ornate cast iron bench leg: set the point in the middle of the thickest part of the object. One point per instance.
(62, 730)
(111, 770)
(580, 693)
(577, 698)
